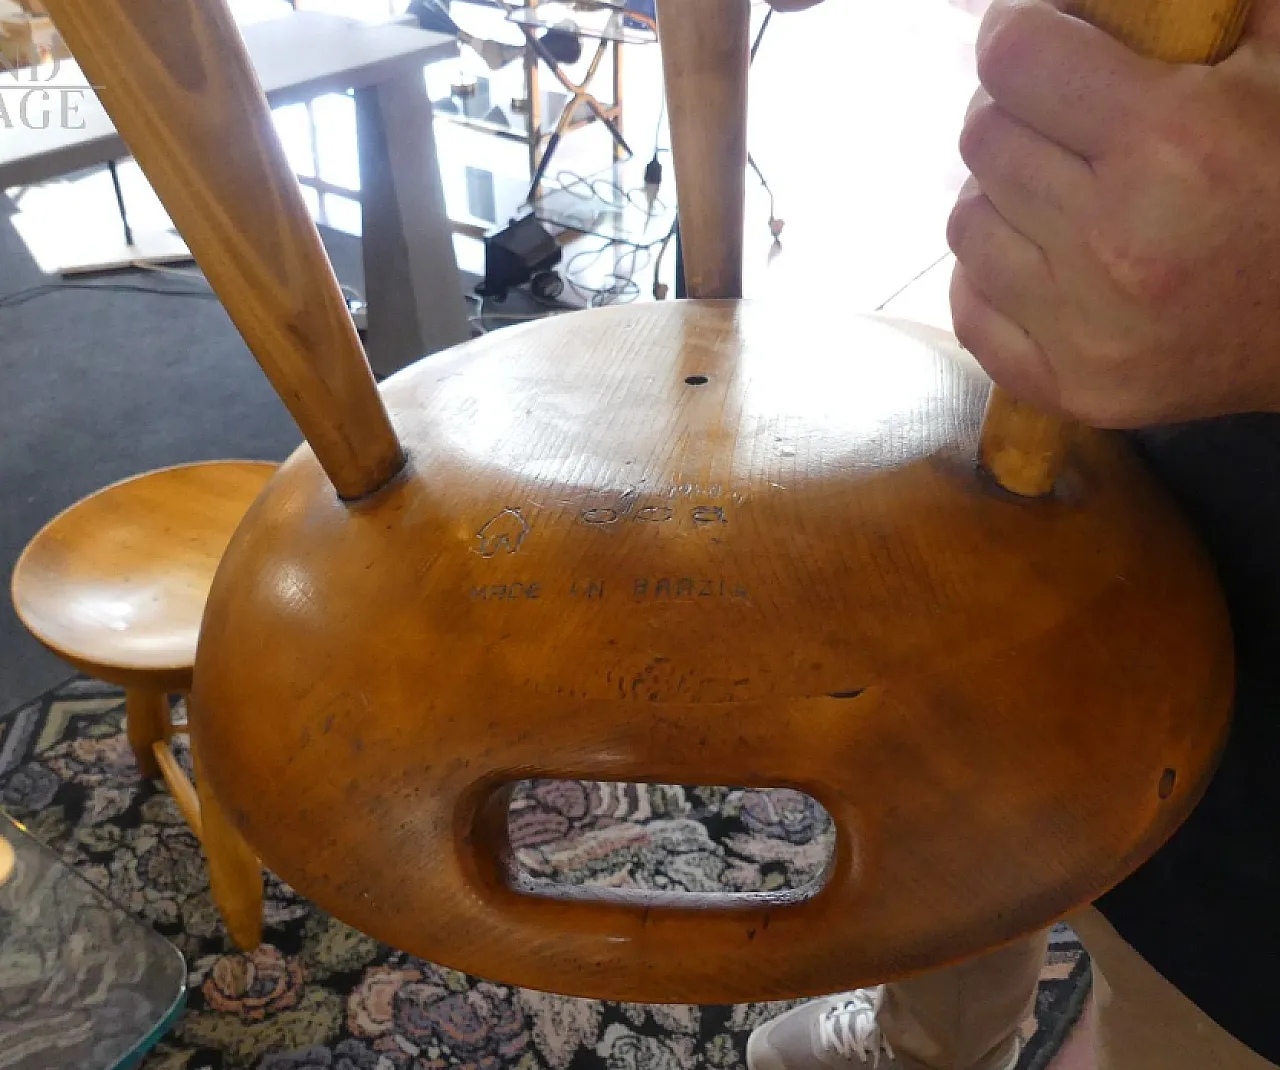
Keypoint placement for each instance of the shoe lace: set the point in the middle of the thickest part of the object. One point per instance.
(850, 1028)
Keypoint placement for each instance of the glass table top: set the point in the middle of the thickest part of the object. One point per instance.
(622, 21)
(609, 22)
(83, 985)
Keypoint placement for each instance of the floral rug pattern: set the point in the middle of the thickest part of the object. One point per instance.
(321, 996)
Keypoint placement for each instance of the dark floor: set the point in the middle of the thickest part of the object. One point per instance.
(99, 386)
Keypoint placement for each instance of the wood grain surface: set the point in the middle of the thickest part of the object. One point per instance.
(116, 585)
(711, 543)
(699, 543)
(1175, 31)
(705, 62)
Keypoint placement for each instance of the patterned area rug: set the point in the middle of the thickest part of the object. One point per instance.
(321, 996)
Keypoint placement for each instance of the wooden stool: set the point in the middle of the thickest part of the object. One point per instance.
(707, 542)
(116, 585)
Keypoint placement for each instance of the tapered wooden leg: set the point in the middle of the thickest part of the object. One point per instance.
(705, 59)
(147, 722)
(235, 873)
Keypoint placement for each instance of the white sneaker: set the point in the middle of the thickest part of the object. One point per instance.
(837, 1033)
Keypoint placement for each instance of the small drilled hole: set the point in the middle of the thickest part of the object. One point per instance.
(697, 380)
(1167, 783)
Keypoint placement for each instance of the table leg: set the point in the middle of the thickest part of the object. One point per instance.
(412, 284)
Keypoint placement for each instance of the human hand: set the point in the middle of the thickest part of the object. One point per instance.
(1119, 243)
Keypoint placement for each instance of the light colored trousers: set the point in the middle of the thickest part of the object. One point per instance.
(962, 1018)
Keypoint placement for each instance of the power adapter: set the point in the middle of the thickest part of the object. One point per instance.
(652, 180)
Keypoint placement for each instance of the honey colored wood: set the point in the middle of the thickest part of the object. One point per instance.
(1023, 448)
(116, 585)
(146, 713)
(180, 787)
(705, 46)
(1176, 31)
(235, 874)
(690, 543)
(164, 66)
(792, 574)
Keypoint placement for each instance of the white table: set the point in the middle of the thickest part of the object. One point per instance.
(413, 289)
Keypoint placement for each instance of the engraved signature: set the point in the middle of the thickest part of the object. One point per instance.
(654, 514)
(505, 533)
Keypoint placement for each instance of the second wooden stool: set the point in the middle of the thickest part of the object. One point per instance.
(116, 585)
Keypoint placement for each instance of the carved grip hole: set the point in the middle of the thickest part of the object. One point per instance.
(665, 845)
(697, 380)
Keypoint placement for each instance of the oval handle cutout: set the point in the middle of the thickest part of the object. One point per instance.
(667, 846)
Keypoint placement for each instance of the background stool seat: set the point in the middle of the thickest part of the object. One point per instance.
(116, 585)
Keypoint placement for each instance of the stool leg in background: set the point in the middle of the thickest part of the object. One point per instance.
(147, 722)
(235, 874)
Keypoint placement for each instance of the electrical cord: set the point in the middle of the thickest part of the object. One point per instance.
(660, 288)
(577, 182)
(619, 286)
(161, 269)
(623, 287)
(776, 225)
(657, 134)
(355, 299)
(22, 297)
(653, 169)
(353, 295)
(755, 45)
(34, 293)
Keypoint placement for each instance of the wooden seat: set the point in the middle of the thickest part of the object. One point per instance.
(116, 585)
(698, 543)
